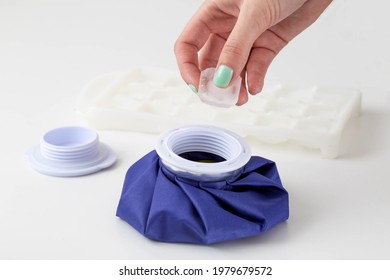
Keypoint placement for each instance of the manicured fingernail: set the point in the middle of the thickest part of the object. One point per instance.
(193, 88)
(222, 76)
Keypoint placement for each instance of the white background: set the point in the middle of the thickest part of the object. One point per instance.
(340, 209)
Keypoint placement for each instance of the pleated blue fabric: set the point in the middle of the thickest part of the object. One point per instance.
(164, 207)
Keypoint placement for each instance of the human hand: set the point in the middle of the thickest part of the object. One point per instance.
(241, 37)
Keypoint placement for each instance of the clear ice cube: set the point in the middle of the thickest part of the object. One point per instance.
(215, 96)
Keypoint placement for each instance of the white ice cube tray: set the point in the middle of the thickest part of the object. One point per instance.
(155, 100)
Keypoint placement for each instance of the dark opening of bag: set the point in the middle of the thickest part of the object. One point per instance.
(203, 157)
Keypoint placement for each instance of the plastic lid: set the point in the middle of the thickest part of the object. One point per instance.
(70, 151)
(208, 139)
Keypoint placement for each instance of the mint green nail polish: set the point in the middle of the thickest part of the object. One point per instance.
(193, 88)
(222, 76)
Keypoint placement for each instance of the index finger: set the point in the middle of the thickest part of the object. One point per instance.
(187, 46)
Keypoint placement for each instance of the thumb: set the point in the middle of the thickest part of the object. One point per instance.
(237, 48)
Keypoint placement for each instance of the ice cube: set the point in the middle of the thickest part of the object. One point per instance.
(215, 96)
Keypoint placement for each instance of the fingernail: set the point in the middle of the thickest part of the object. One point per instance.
(222, 76)
(193, 88)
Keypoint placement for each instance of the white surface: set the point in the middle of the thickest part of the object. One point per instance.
(50, 49)
(310, 115)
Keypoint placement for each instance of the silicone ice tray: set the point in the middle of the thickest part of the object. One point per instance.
(155, 100)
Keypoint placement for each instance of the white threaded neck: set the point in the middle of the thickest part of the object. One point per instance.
(208, 139)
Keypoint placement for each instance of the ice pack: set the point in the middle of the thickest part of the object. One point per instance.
(202, 185)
